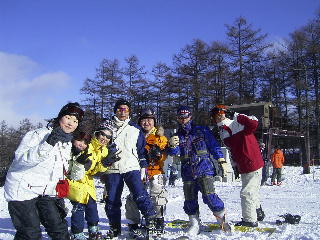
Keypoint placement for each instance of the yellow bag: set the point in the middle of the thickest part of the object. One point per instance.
(76, 191)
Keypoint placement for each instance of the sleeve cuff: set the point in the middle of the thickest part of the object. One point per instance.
(143, 163)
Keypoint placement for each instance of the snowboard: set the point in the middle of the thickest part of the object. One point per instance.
(210, 227)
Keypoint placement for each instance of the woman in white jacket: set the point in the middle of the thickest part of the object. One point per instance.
(40, 161)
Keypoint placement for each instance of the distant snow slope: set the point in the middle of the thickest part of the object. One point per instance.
(299, 194)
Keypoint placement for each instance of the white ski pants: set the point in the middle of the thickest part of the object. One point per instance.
(158, 194)
(249, 194)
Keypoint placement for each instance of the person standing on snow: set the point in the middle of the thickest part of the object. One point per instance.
(277, 160)
(198, 149)
(131, 142)
(40, 161)
(265, 169)
(156, 145)
(173, 175)
(238, 135)
(88, 155)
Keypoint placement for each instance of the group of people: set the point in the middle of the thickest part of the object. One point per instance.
(52, 159)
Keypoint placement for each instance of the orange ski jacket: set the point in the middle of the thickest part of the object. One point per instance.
(277, 159)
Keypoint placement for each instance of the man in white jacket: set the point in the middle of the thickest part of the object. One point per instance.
(39, 163)
(130, 141)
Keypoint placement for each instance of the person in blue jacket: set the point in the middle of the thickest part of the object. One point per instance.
(198, 149)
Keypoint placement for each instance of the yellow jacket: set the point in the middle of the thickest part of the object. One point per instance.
(156, 167)
(81, 190)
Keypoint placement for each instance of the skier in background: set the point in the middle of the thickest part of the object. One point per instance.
(173, 175)
(277, 160)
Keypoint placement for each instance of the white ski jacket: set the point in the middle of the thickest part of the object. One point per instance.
(37, 167)
(131, 142)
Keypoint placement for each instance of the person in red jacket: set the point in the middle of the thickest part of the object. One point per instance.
(238, 135)
(277, 160)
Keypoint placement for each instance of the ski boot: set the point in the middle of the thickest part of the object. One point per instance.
(113, 232)
(151, 232)
(260, 214)
(225, 226)
(194, 225)
(135, 232)
(94, 233)
(78, 236)
(159, 225)
(247, 224)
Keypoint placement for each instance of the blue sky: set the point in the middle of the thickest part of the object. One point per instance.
(47, 48)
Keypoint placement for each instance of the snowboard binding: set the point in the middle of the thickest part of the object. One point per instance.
(289, 218)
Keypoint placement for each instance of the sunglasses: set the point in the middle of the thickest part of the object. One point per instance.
(108, 136)
(125, 110)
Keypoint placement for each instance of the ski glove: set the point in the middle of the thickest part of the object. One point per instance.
(174, 141)
(84, 158)
(58, 135)
(87, 165)
(112, 157)
(224, 167)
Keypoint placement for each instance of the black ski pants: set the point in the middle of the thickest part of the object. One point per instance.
(27, 216)
(276, 174)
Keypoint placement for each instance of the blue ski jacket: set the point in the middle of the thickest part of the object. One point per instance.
(198, 148)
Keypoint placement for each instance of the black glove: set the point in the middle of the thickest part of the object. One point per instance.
(154, 154)
(87, 165)
(75, 151)
(58, 135)
(84, 158)
(229, 113)
(112, 157)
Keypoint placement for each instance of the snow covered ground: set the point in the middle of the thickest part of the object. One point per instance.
(299, 194)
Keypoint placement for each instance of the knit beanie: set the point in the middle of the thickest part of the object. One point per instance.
(73, 109)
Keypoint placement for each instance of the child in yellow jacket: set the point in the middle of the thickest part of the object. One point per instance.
(86, 162)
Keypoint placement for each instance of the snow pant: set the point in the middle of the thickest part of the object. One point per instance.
(276, 174)
(265, 172)
(158, 196)
(205, 185)
(81, 212)
(115, 183)
(172, 179)
(27, 216)
(249, 194)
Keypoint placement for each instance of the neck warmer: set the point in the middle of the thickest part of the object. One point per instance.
(187, 127)
(225, 121)
(118, 122)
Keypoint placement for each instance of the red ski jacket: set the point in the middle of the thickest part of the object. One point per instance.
(237, 135)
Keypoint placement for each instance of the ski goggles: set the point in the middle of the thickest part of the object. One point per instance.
(123, 109)
(108, 136)
(184, 114)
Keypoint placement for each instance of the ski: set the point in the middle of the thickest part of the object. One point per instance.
(210, 227)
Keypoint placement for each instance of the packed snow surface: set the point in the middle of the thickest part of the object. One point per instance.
(299, 195)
